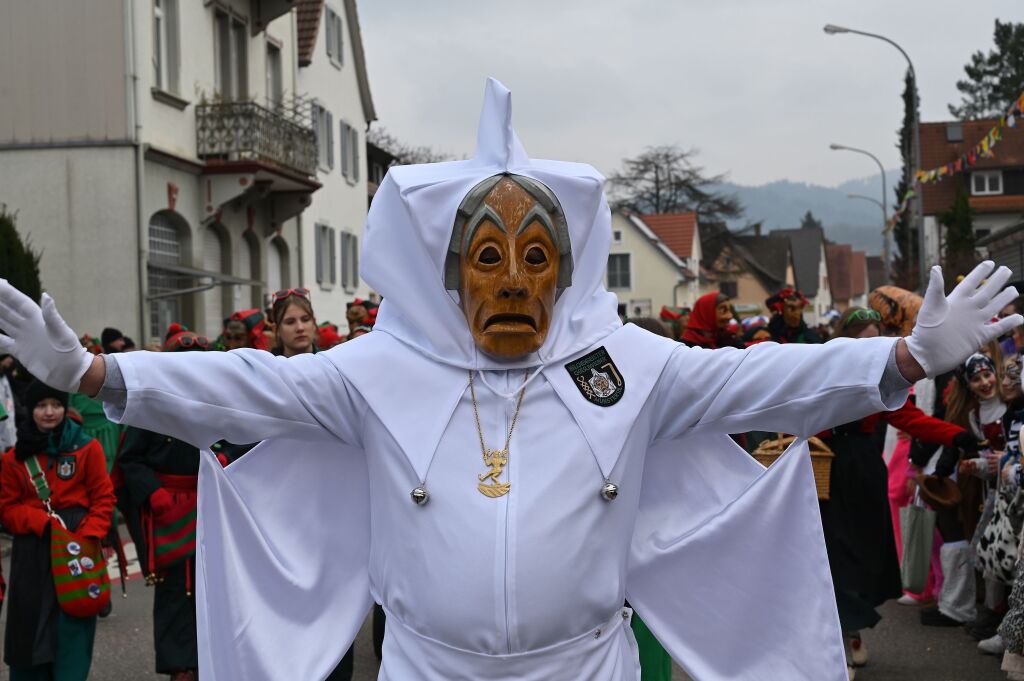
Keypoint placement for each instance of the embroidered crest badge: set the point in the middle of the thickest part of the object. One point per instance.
(66, 467)
(597, 377)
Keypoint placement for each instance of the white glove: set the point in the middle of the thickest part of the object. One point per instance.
(948, 330)
(41, 340)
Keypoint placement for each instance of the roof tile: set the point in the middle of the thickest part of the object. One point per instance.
(858, 273)
(675, 229)
(837, 258)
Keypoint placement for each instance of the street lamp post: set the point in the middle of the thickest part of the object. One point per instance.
(832, 29)
(884, 204)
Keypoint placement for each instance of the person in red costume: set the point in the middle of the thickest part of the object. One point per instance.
(41, 640)
(856, 518)
(709, 323)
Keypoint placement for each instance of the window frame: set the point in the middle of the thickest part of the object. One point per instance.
(349, 152)
(349, 261)
(323, 126)
(274, 73)
(987, 176)
(628, 271)
(334, 37)
(237, 53)
(166, 50)
(323, 255)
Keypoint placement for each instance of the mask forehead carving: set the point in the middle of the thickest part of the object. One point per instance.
(509, 265)
(478, 206)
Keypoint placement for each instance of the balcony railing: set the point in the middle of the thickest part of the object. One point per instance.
(246, 131)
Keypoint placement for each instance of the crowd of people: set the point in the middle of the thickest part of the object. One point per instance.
(60, 453)
(954, 448)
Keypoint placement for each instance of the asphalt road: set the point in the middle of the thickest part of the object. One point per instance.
(900, 648)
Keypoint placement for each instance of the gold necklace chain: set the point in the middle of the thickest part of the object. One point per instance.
(495, 459)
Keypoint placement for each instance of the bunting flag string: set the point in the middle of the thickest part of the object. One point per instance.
(967, 160)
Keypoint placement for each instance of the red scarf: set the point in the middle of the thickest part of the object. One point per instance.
(702, 330)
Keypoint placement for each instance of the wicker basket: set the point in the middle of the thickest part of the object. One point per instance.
(821, 458)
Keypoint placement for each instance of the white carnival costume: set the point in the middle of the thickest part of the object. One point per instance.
(725, 561)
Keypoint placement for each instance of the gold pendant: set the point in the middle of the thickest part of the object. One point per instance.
(496, 460)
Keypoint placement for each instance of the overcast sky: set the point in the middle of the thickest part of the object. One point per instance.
(755, 85)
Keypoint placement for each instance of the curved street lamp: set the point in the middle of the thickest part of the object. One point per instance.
(832, 29)
(884, 203)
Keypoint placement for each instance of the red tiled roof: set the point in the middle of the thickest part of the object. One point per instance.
(308, 18)
(676, 230)
(858, 273)
(837, 258)
(937, 197)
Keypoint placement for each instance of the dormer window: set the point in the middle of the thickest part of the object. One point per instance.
(986, 182)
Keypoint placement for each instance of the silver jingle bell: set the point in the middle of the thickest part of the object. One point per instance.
(610, 491)
(420, 496)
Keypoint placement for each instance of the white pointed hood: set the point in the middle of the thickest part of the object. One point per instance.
(410, 225)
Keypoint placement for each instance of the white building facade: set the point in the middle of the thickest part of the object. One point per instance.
(645, 272)
(162, 153)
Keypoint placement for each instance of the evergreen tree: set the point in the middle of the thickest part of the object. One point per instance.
(809, 221)
(958, 220)
(905, 259)
(19, 263)
(996, 80)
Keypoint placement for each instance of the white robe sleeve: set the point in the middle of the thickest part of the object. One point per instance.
(794, 388)
(240, 396)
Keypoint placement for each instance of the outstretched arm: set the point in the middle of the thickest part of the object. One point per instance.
(239, 396)
(198, 397)
(804, 389)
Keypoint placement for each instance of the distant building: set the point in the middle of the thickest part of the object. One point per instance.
(748, 269)
(811, 269)
(653, 262)
(995, 185)
(847, 276)
(877, 276)
(158, 154)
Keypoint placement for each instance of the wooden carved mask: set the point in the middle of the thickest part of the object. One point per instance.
(513, 256)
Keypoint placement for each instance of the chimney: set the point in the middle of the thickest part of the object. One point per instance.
(757, 229)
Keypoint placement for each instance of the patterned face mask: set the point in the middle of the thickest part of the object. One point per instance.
(1011, 372)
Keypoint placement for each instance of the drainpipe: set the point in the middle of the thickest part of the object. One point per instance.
(140, 219)
(301, 281)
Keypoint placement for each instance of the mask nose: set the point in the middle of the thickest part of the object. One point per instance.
(513, 292)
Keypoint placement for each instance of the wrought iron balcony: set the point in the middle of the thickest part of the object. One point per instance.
(247, 131)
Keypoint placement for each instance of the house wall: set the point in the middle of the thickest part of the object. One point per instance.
(750, 292)
(653, 276)
(814, 313)
(77, 199)
(63, 72)
(340, 203)
(84, 229)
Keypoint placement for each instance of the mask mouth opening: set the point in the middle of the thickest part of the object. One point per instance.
(507, 322)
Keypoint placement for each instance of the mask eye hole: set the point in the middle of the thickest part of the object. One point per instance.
(489, 256)
(536, 256)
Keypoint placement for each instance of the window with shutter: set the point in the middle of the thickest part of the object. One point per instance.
(333, 258)
(355, 154)
(329, 25)
(354, 270)
(330, 140)
(318, 253)
(344, 152)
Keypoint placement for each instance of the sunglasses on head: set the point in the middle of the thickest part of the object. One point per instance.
(863, 316)
(285, 292)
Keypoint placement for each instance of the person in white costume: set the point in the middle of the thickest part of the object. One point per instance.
(378, 477)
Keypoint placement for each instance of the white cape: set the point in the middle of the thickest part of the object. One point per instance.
(727, 565)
